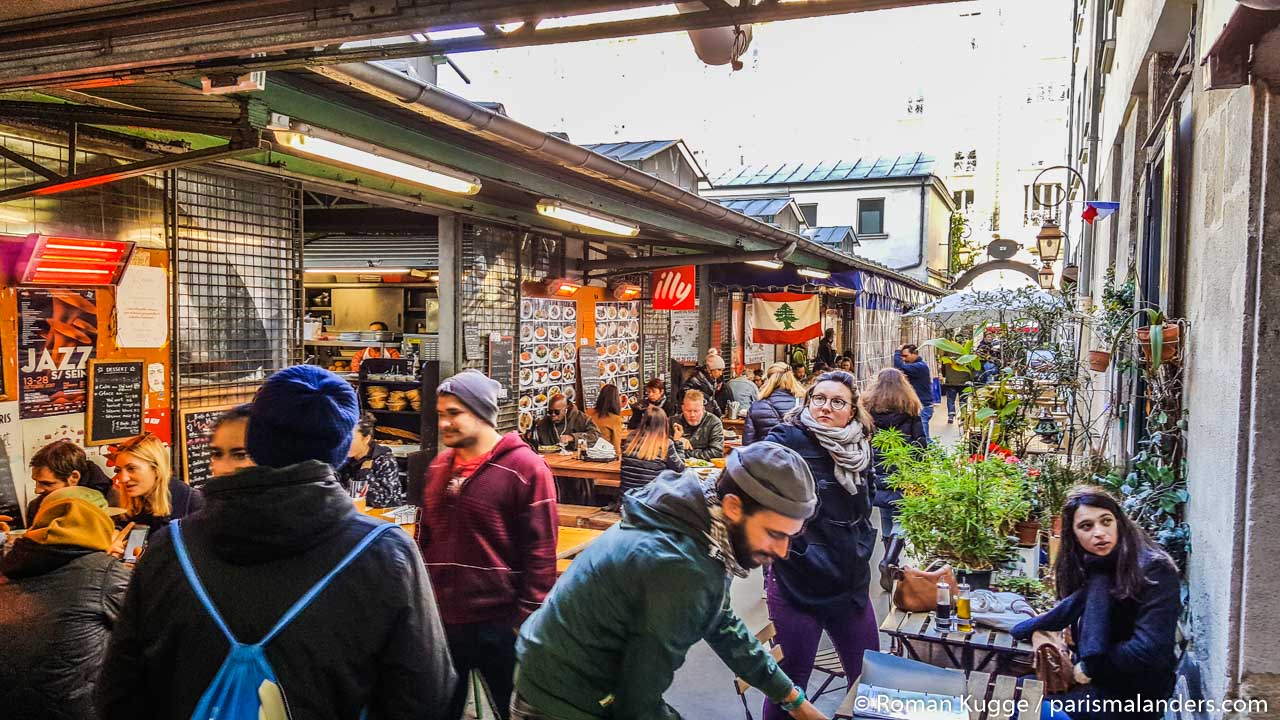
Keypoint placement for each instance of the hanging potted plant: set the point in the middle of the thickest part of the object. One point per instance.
(956, 508)
(1112, 319)
(1159, 339)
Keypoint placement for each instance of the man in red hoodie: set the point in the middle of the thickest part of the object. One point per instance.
(488, 534)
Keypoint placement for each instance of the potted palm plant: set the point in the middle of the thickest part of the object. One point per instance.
(956, 508)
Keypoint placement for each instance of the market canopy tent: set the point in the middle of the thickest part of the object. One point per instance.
(974, 307)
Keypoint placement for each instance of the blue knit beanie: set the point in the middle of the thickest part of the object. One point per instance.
(302, 413)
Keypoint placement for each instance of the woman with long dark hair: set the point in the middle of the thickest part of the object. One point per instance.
(893, 405)
(1120, 595)
(607, 415)
(649, 451)
(823, 582)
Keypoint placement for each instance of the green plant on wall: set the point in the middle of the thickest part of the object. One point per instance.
(955, 508)
(963, 254)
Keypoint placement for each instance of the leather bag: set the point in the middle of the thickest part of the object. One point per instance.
(917, 590)
(1052, 661)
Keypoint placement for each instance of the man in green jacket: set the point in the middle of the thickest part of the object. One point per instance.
(613, 631)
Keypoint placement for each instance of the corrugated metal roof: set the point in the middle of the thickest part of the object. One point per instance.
(833, 235)
(761, 208)
(889, 166)
(346, 251)
(631, 151)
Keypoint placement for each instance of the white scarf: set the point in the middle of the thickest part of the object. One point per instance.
(848, 447)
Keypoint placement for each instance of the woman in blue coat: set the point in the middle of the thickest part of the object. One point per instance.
(1120, 595)
(822, 584)
(777, 398)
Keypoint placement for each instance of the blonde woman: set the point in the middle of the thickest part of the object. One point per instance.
(649, 451)
(777, 397)
(151, 495)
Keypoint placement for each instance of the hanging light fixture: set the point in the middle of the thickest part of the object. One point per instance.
(562, 287)
(813, 273)
(1046, 278)
(770, 264)
(586, 218)
(1048, 429)
(1049, 241)
(626, 291)
(359, 155)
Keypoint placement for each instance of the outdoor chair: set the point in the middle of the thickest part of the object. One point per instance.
(827, 662)
(765, 636)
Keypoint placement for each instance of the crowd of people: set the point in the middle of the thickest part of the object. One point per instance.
(271, 559)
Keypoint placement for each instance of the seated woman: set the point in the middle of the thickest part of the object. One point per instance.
(649, 451)
(152, 496)
(1119, 594)
(371, 471)
(607, 416)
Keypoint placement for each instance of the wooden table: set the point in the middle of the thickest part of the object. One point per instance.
(973, 651)
(989, 697)
(608, 474)
(570, 542)
(736, 424)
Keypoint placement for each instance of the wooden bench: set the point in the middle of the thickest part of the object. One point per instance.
(586, 516)
(991, 697)
(915, 636)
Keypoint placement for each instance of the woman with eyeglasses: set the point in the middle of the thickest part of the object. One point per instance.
(152, 496)
(823, 582)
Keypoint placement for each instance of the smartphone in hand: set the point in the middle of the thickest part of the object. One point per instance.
(137, 541)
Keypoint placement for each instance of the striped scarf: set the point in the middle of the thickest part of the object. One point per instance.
(718, 533)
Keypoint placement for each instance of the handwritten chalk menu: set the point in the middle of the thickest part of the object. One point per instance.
(197, 433)
(472, 341)
(589, 373)
(115, 401)
(650, 356)
(502, 356)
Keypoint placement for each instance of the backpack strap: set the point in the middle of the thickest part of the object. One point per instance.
(319, 587)
(180, 548)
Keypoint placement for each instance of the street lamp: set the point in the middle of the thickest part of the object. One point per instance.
(1049, 241)
(1046, 278)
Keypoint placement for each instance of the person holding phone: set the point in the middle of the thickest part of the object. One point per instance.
(60, 597)
(153, 497)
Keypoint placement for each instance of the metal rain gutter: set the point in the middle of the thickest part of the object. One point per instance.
(443, 103)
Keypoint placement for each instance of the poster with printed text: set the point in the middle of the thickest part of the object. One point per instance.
(57, 336)
(12, 471)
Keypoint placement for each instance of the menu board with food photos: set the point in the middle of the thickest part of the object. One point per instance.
(618, 347)
(548, 354)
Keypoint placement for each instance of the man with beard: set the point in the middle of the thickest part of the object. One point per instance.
(488, 534)
(609, 639)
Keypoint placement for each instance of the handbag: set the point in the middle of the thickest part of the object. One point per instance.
(1051, 659)
(917, 590)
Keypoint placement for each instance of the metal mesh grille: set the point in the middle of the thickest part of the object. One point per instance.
(238, 255)
(490, 294)
(655, 326)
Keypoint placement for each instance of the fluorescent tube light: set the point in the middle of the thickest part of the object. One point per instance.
(374, 270)
(586, 218)
(609, 16)
(421, 172)
(771, 264)
(454, 33)
(813, 273)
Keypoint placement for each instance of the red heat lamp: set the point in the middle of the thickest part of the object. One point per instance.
(562, 287)
(56, 260)
(626, 291)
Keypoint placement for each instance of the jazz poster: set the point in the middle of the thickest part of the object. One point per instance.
(57, 336)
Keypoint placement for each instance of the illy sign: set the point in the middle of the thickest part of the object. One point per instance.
(673, 288)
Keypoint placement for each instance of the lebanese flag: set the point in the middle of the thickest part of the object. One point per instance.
(785, 318)
(1098, 209)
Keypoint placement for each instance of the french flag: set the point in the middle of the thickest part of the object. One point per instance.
(1098, 209)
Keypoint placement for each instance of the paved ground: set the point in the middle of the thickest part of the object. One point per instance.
(704, 688)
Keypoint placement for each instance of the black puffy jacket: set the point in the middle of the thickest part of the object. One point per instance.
(703, 383)
(58, 604)
(372, 639)
(638, 473)
(912, 428)
(765, 413)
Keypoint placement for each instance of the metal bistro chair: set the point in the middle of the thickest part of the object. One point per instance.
(765, 636)
(828, 662)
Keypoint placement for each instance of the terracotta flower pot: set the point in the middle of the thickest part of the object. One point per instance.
(1170, 333)
(1057, 526)
(1099, 360)
(1027, 531)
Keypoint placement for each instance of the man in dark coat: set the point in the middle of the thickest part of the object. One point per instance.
(908, 360)
(371, 640)
(60, 595)
(559, 426)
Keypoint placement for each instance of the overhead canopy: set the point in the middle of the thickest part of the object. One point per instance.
(355, 251)
(974, 307)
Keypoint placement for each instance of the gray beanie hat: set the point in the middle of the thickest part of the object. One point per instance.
(714, 361)
(774, 476)
(477, 391)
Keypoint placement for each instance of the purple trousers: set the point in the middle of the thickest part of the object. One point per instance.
(799, 632)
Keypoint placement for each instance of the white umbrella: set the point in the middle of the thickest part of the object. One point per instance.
(973, 307)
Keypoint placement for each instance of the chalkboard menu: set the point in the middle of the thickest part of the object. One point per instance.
(650, 358)
(197, 433)
(502, 357)
(115, 401)
(589, 372)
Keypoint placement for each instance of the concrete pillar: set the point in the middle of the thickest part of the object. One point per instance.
(706, 311)
(450, 292)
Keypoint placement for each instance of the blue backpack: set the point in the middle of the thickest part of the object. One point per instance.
(235, 693)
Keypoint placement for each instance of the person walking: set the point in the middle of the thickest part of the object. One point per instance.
(488, 533)
(649, 451)
(827, 348)
(955, 379)
(908, 360)
(369, 641)
(893, 405)
(777, 398)
(622, 618)
(607, 416)
(60, 595)
(822, 584)
(706, 380)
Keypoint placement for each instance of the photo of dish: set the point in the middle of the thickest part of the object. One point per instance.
(526, 357)
(613, 349)
(569, 393)
(604, 367)
(556, 355)
(633, 348)
(540, 332)
(540, 400)
(612, 313)
(603, 331)
(553, 312)
(626, 401)
(555, 375)
(526, 309)
(570, 312)
(526, 402)
(554, 332)
(613, 368)
(568, 353)
(526, 333)
(600, 312)
(569, 333)
(526, 377)
(526, 421)
(634, 383)
(541, 352)
(569, 372)
(553, 391)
